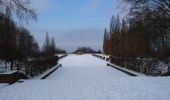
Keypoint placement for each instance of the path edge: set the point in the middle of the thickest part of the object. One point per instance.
(122, 70)
(49, 73)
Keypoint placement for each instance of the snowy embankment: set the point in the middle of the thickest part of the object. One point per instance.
(84, 77)
(125, 70)
(102, 56)
(61, 55)
(46, 73)
(3, 85)
(51, 70)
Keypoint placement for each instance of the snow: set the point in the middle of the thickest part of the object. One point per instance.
(162, 66)
(84, 77)
(115, 89)
(3, 68)
(85, 67)
(3, 85)
(60, 55)
(9, 72)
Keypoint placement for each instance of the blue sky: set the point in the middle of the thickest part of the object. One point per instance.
(73, 23)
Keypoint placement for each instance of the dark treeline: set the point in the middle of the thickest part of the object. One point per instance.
(47, 58)
(142, 39)
(86, 50)
(18, 48)
(15, 42)
(60, 51)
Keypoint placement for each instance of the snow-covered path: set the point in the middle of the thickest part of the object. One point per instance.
(84, 77)
(85, 67)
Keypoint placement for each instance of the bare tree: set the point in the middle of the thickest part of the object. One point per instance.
(22, 8)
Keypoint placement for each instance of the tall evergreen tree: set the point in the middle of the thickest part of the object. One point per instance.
(49, 47)
(104, 41)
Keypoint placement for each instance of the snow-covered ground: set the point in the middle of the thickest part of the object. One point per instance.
(46, 72)
(84, 77)
(84, 67)
(2, 85)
